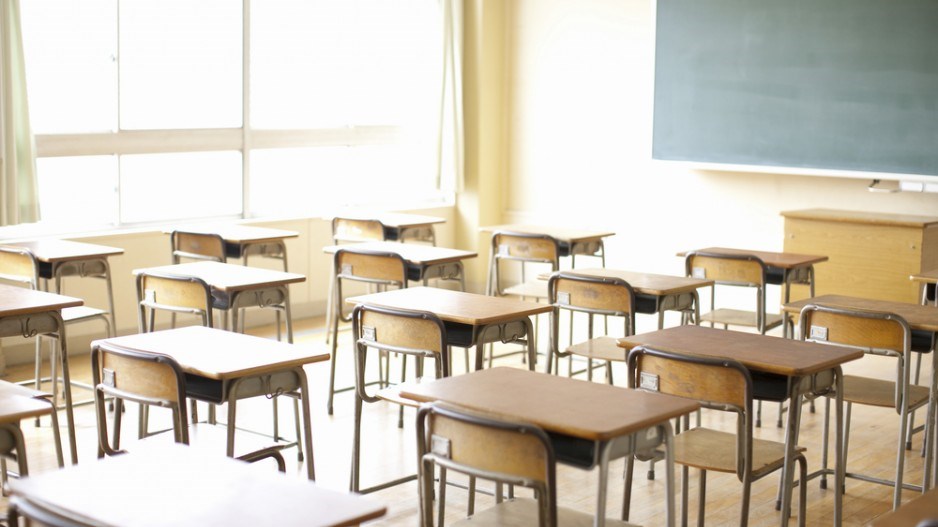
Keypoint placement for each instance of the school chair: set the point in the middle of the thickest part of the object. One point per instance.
(885, 335)
(485, 447)
(418, 334)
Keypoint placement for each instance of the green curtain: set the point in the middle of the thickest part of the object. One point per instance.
(19, 200)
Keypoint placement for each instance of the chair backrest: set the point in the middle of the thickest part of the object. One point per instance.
(356, 230)
(417, 333)
(382, 268)
(140, 377)
(197, 246)
(727, 269)
(526, 247)
(179, 294)
(17, 264)
(716, 383)
(877, 333)
(486, 447)
(593, 295)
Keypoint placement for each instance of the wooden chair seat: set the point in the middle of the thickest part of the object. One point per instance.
(521, 512)
(708, 449)
(530, 289)
(393, 393)
(738, 317)
(73, 314)
(599, 348)
(878, 392)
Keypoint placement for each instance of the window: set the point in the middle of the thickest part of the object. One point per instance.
(146, 111)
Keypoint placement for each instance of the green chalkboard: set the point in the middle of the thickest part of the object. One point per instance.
(827, 84)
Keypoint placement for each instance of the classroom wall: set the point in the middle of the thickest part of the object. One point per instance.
(579, 86)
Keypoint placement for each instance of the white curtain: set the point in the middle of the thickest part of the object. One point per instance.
(19, 201)
(450, 151)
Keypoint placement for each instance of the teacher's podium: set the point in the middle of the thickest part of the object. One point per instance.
(871, 254)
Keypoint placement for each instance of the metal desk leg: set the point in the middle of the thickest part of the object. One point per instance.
(66, 379)
(791, 438)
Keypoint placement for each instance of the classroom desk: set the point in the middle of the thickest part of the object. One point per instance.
(242, 241)
(424, 262)
(572, 241)
(398, 226)
(782, 268)
(61, 258)
(223, 366)
(924, 507)
(471, 320)
(920, 318)
(809, 367)
(590, 424)
(655, 293)
(28, 313)
(236, 286)
(177, 486)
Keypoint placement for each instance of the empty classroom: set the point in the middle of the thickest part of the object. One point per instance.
(617, 172)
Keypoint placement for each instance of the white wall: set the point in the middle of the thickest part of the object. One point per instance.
(580, 79)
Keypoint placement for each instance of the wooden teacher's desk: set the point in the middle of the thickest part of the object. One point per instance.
(589, 423)
(224, 366)
(871, 253)
(470, 319)
(177, 486)
(27, 313)
(809, 367)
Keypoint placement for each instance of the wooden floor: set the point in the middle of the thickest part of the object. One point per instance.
(390, 452)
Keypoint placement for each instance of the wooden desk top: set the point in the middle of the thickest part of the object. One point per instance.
(454, 306)
(21, 301)
(763, 353)
(51, 251)
(572, 407)
(647, 283)
(394, 220)
(923, 507)
(14, 408)
(241, 234)
(561, 234)
(228, 277)
(919, 317)
(416, 254)
(217, 354)
(177, 486)
(930, 276)
(871, 218)
(771, 259)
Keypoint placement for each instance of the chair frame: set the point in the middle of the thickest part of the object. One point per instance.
(493, 287)
(442, 369)
(546, 491)
(146, 324)
(902, 389)
(744, 434)
(176, 239)
(340, 274)
(571, 305)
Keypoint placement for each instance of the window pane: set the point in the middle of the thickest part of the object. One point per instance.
(180, 64)
(71, 68)
(308, 181)
(177, 186)
(323, 63)
(78, 192)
